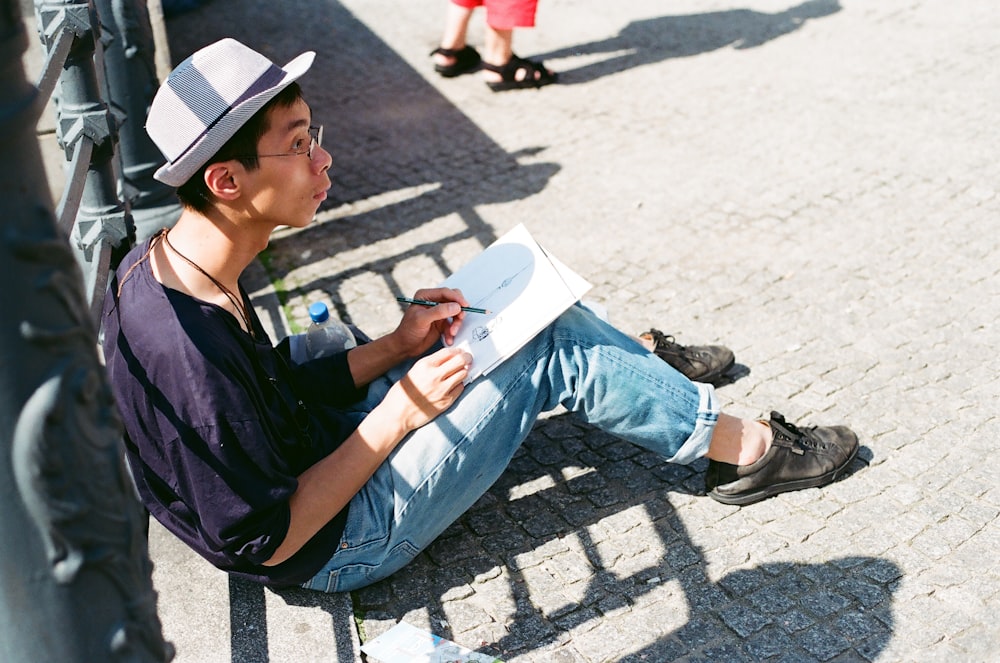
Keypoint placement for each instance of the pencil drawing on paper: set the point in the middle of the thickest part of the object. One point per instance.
(504, 284)
(482, 332)
(525, 289)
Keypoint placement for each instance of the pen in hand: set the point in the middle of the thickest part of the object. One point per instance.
(427, 302)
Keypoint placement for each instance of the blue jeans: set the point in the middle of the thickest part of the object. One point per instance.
(437, 472)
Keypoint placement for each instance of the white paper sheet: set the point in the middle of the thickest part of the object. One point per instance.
(524, 290)
(404, 643)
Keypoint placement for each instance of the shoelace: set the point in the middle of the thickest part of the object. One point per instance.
(792, 437)
(663, 341)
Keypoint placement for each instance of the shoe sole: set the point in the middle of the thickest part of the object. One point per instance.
(743, 499)
(449, 72)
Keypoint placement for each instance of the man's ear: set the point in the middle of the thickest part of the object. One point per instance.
(221, 179)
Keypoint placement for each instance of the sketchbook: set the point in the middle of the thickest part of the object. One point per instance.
(524, 289)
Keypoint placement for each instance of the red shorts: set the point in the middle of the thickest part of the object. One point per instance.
(505, 14)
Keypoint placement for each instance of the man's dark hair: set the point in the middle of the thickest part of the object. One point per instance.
(194, 193)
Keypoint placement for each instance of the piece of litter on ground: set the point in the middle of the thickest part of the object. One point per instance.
(405, 643)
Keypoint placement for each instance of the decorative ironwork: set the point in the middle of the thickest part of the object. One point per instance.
(75, 575)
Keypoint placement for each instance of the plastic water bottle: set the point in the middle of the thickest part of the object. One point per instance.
(326, 335)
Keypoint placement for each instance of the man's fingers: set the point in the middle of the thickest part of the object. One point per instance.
(451, 360)
(443, 295)
(443, 311)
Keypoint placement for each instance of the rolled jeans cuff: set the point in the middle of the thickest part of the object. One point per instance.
(697, 444)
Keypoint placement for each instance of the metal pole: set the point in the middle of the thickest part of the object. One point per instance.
(130, 64)
(103, 222)
(75, 576)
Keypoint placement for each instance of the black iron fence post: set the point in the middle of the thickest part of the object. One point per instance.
(87, 131)
(130, 64)
(75, 576)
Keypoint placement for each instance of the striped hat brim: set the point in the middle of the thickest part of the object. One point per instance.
(207, 98)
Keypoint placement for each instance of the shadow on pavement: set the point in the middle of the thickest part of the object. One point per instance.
(582, 530)
(247, 617)
(657, 39)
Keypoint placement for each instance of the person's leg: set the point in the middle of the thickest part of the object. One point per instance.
(510, 14)
(738, 441)
(497, 48)
(454, 56)
(456, 24)
(502, 18)
(609, 380)
(440, 470)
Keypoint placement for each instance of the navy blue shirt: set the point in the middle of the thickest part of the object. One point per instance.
(219, 423)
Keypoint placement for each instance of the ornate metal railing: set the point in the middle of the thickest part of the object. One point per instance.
(75, 582)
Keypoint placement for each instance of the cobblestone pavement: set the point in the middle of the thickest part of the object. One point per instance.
(813, 184)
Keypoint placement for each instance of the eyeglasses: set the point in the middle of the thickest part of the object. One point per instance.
(315, 140)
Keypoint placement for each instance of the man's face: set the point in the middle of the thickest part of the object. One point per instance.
(288, 186)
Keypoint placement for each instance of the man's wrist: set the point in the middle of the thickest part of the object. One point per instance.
(394, 348)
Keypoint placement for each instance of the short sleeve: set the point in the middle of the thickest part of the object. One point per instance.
(241, 498)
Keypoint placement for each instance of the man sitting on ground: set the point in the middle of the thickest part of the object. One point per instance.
(336, 472)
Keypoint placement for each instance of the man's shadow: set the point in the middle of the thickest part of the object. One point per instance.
(582, 527)
(665, 37)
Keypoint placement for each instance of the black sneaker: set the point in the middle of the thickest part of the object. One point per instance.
(797, 459)
(698, 363)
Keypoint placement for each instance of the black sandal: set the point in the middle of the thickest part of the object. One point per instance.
(466, 60)
(535, 74)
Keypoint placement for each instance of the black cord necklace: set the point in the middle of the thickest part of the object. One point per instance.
(240, 308)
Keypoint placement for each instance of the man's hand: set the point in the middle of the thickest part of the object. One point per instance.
(422, 326)
(429, 387)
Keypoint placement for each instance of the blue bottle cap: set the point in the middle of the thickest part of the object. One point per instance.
(318, 312)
